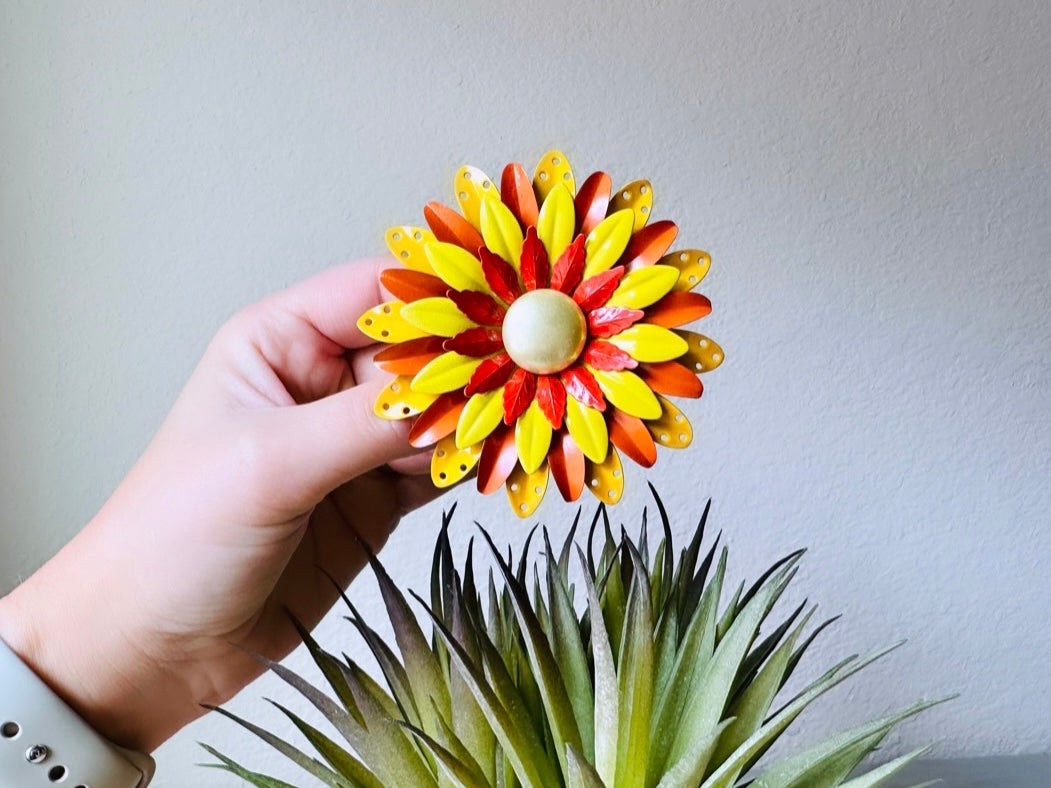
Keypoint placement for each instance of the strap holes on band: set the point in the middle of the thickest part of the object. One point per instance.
(10, 730)
(56, 773)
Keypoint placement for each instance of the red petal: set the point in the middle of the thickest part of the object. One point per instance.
(408, 358)
(516, 191)
(677, 309)
(592, 201)
(479, 307)
(582, 386)
(491, 374)
(551, 398)
(569, 267)
(518, 394)
(608, 357)
(609, 320)
(566, 462)
(649, 244)
(498, 459)
(534, 263)
(672, 379)
(500, 276)
(448, 226)
(438, 420)
(629, 434)
(596, 290)
(476, 342)
(408, 285)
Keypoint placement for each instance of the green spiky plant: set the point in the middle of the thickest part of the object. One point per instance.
(647, 684)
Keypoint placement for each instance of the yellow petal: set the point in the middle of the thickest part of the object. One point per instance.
(385, 323)
(501, 231)
(449, 463)
(606, 479)
(532, 437)
(672, 429)
(472, 187)
(607, 242)
(588, 428)
(703, 354)
(447, 372)
(638, 196)
(556, 222)
(399, 401)
(629, 392)
(645, 342)
(693, 264)
(457, 267)
(479, 418)
(526, 490)
(406, 243)
(553, 169)
(437, 316)
(644, 286)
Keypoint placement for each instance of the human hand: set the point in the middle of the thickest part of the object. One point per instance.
(270, 465)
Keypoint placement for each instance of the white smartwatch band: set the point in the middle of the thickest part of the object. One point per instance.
(44, 743)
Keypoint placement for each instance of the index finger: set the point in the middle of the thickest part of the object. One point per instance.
(333, 300)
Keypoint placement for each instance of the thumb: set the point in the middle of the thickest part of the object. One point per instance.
(328, 442)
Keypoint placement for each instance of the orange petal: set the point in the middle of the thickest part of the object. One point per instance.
(516, 190)
(671, 378)
(648, 244)
(408, 358)
(498, 459)
(438, 420)
(592, 201)
(566, 462)
(678, 309)
(450, 227)
(630, 435)
(408, 285)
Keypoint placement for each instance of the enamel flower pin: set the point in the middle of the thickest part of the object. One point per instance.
(537, 334)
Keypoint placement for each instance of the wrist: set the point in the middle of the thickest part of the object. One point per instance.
(65, 625)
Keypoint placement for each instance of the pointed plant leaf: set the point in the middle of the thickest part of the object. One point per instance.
(832, 759)
(298, 757)
(688, 771)
(546, 670)
(455, 769)
(256, 779)
(607, 698)
(519, 744)
(345, 764)
(881, 774)
(581, 774)
(635, 678)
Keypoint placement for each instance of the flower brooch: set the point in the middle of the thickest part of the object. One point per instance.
(536, 335)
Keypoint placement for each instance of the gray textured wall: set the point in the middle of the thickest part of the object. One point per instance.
(871, 179)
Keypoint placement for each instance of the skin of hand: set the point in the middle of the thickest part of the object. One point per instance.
(268, 469)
